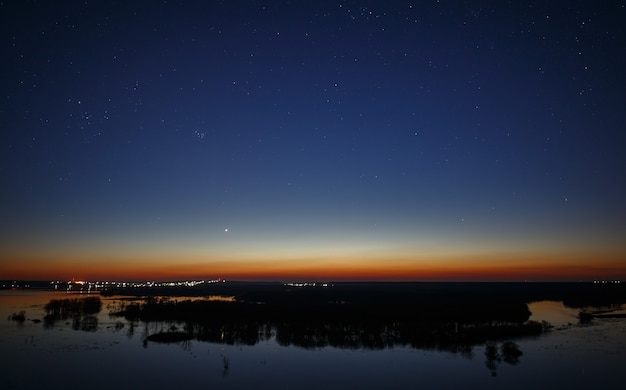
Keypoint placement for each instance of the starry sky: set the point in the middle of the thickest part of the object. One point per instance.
(330, 140)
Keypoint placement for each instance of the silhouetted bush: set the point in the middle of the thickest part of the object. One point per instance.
(19, 317)
(312, 324)
(81, 310)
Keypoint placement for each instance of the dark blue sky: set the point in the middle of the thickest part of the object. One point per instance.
(312, 132)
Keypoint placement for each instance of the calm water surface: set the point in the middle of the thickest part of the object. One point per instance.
(115, 355)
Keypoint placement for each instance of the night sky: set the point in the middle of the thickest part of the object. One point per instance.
(425, 140)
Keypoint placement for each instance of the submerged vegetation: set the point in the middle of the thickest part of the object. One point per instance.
(19, 317)
(81, 310)
(446, 316)
(344, 318)
(64, 308)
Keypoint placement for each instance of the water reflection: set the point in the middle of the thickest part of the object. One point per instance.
(508, 352)
(244, 324)
(226, 362)
(571, 356)
(19, 317)
(81, 310)
(561, 316)
(235, 323)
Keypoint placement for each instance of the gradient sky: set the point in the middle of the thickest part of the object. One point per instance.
(425, 140)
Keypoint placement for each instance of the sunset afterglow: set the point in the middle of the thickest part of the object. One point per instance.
(314, 142)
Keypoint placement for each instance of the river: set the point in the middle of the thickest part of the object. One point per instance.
(113, 353)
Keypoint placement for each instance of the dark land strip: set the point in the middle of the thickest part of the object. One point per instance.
(449, 316)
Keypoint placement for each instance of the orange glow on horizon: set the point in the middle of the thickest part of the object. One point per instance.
(459, 268)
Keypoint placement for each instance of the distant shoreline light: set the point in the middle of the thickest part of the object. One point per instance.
(308, 284)
(607, 281)
(85, 286)
(82, 286)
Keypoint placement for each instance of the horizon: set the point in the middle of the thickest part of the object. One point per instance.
(99, 285)
(199, 279)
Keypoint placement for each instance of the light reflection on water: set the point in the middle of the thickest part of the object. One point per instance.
(571, 356)
(554, 312)
(220, 298)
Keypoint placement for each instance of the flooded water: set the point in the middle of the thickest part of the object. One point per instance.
(108, 352)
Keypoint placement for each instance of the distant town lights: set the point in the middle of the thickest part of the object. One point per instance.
(103, 285)
(607, 281)
(306, 284)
